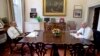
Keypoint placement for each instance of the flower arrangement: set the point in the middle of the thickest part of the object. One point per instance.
(5, 20)
(56, 32)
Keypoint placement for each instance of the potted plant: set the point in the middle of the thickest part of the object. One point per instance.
(56, 32)
(5, 20)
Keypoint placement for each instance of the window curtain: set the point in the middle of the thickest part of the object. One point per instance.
(12, 15)
(10, 10)
(23, 14)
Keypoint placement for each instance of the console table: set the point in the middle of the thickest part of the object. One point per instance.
(50, 26)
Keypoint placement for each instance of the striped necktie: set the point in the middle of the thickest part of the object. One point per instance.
(18, 30)
(83, 31)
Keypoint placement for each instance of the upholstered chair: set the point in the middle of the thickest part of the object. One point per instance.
(71, 25)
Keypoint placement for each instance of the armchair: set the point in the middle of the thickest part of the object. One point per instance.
(71, 26)
(13, 42)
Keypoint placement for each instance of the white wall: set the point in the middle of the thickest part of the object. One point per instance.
(92, 3)
(3, 8)
(88, 4)
(69, 10)
(89, 13)
(33, 4)
(91, 16)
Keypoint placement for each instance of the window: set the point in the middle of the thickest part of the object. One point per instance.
(18, 13)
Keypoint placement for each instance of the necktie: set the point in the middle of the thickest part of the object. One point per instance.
(17, 30)
(83, 31)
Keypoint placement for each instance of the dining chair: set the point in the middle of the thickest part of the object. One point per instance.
(40, 48)
(54, 51)
(77, 50)
(14, 45)
(32, 48)
(72, 25)
(26, 49)
(70, 47)
(90, 50)
(65, 49)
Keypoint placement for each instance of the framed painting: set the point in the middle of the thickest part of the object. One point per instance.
(54, 7)
(77, 13)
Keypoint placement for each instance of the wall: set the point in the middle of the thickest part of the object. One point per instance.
(90, 16)
(92, 3)
(3, 8)
(69, 11)
(89, 13)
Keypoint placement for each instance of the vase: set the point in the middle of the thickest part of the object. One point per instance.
(57, 34)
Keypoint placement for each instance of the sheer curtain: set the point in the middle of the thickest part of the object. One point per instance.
(16, 12)
(18, 6)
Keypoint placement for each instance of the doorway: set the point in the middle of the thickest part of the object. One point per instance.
(96, 18)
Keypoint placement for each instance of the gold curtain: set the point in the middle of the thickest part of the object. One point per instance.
(10, 10)
(23, 14)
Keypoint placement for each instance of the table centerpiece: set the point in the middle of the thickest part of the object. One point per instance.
(56, 32)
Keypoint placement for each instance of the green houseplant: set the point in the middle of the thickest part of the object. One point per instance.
(5, 20)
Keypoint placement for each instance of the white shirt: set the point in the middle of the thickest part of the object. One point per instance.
(12, 32)
(86, 33)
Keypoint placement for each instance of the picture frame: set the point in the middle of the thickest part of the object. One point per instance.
(61, 20)
(33, 10)
(33, 15)
(53, 20)
(77, 6)
(77, 13)
(46, 20)
(54, 7)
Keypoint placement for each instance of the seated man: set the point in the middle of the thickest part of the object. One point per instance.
(13, 32)
(85, 32)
